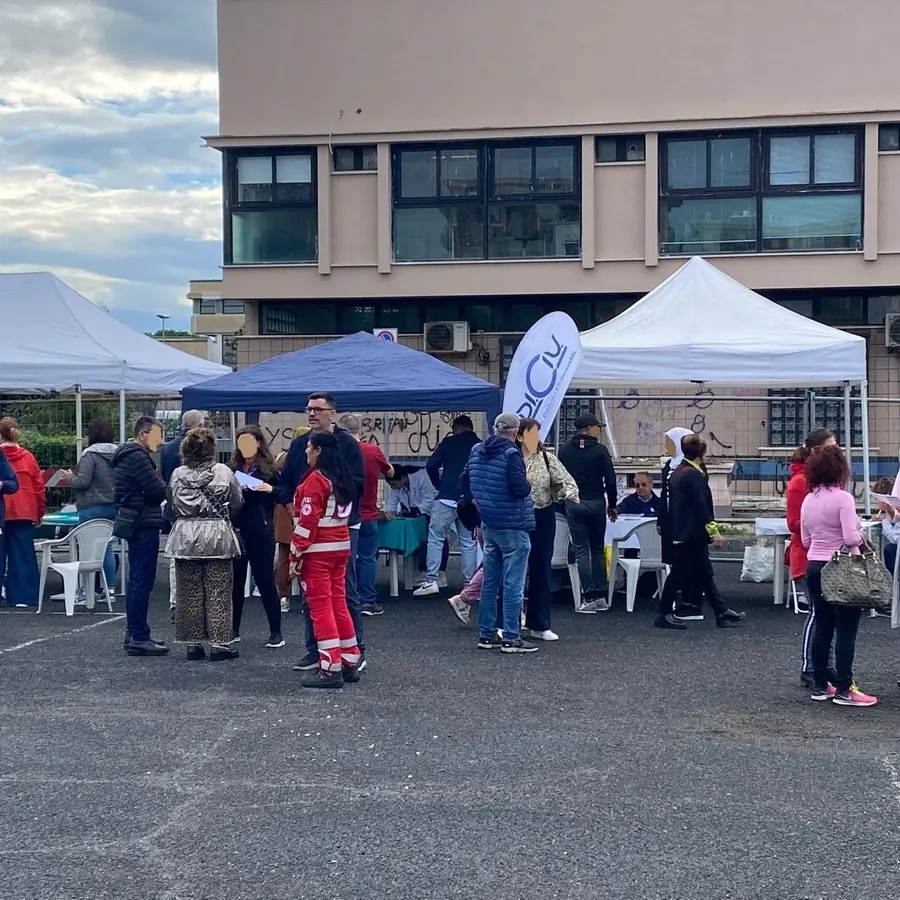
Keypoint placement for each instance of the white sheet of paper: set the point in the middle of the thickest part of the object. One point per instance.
(247, 481)
(886, 498)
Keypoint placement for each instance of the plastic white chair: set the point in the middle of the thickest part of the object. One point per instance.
(87, 547)
(561, 560)
(650, 560)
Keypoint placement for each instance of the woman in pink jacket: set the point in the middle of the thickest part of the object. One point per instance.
(828, 521)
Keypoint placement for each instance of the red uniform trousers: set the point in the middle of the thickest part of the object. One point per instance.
(322, 578)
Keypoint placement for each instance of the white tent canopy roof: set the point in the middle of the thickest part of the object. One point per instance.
(699, 325)
(54, 339)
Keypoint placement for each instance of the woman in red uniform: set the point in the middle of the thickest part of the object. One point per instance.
(320, 551)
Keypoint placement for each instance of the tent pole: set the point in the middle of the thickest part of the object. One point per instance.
(79, 422)
(122, 436)
(848, 433)
(611, 438)
(233, 417)
(864, 400)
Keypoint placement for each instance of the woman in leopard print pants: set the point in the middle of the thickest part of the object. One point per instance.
(203, 496)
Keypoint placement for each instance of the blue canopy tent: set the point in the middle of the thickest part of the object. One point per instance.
(361, 371)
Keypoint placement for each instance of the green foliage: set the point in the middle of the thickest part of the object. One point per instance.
(52, 451)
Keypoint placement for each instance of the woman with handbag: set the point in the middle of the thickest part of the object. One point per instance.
(256, 531)
(828, 522)
(550, 483)
(203, 496)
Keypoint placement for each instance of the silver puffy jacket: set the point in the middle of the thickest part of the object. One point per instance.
(198, 532)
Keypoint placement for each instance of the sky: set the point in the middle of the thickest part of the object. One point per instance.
(104, 179)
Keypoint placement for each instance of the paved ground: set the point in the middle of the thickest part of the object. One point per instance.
(622, 762)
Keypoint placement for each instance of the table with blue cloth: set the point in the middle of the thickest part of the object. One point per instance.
(401, 538)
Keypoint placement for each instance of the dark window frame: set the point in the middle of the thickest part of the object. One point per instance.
(232, 189)
(760, 170)
(622, 142)
(485, 195)
(358, 151)
(883, 129)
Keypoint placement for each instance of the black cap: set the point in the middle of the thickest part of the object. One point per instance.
(586, 420)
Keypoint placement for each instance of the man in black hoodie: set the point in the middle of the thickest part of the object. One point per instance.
(139, 496)
(444, 468)
(590, 464)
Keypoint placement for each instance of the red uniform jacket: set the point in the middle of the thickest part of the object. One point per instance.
(30, 503)
(797, 490)
(322, 524)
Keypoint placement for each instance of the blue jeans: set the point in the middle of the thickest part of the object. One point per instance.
(505, 563)
(445, 519)
(109, 560)
(18, 563)
(367, 562)
(353, 603)
(143, 550)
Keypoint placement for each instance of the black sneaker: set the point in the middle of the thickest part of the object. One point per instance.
(275, 641)
(196, 653)
(729, 618)
(321, 679)
(361, 665)
(669, 621)
(372, 609)
(490, 643)
(145, 648)
(688, 613)
(218, 654)
(308, 663)
(518, 646)
(351, 674)
(127, 640)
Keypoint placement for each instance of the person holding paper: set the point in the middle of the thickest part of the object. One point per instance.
(254, 469)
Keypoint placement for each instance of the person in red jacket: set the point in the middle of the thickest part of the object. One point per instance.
(320, 552)
(797, 490)
(24, 511)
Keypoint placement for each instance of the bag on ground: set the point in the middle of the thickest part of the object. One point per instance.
(759, 563)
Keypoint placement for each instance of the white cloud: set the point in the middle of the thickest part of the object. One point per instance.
(103, 179)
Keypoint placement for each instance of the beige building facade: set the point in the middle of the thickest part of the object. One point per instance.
(399, 164)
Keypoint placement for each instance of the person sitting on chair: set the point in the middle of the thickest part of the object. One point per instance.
(643, 502)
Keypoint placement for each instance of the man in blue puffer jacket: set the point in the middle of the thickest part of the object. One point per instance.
(495, 478)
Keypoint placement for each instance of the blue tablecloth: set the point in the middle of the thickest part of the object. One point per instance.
(403, 535)
(61, 519)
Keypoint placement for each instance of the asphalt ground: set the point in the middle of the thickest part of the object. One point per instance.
(621, 762)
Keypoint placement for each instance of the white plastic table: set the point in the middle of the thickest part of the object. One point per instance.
(778, 529)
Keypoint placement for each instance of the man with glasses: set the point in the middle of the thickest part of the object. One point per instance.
(321, 412)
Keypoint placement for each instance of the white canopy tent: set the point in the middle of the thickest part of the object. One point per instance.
(55, 339)
(700, 325)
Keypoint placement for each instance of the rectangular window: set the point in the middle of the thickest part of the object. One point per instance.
(627, 148)
(487, 201)
(355, 159)
(209, 307)
(762, 191)
(888, 138)
(233, 307)
(271, 207)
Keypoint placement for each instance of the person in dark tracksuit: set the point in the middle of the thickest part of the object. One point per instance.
(255, 523)
(590, 464)
(692, 527)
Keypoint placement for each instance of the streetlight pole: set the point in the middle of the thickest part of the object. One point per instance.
(163, 319)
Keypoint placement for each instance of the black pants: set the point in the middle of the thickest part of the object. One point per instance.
(537, 608)
(259, 554)
(692, 574)
(587, 527)
(837, 623)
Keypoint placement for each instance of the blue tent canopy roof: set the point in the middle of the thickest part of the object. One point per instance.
(363, 372)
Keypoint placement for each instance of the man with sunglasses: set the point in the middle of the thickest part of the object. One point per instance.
(321, 412)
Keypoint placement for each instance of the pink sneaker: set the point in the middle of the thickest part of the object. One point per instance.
(829, 693)
(854, 697)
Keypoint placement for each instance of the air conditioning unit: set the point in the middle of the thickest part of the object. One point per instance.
(447, 337)
(892, 331)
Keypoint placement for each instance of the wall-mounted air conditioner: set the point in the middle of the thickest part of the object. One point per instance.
(447, 337)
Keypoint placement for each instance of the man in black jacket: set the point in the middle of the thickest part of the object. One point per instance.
(139, 495)
(444, 468)
(321, 411)
(693, 528)
(590, 464)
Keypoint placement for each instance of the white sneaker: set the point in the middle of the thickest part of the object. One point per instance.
(601, 605)
(547, 635)
(586, 609)
(285, 604)
(442, 580)
(427, 589)
(461, 608)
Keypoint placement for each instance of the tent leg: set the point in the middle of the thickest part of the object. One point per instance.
(122, 436)
(848, 433)
(611, 438)
(864, 401)
(233, 417)
(79, 422)
(556, 435)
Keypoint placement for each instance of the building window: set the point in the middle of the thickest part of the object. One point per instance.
(888, 137)
(233, 307)
(761, 191)
(208, 307)
(789, 418)
(627, 148)
(356, 159)
(487, 201)
(271, 213)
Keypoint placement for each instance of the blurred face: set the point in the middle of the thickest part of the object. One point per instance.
(670, 446)
(643, 487)
(151, 439)
(248, 446)
(312, 455)
(530, 440)
(399, 483)
(321, 415)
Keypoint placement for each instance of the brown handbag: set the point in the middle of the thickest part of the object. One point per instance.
(856, 580)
